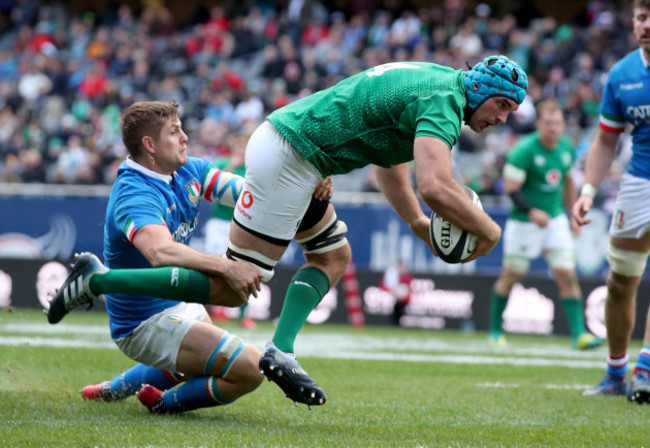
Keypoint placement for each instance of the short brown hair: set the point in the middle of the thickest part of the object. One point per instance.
(145, 118)
(548, 105)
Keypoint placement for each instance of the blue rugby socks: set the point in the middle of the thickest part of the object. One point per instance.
(133, 379)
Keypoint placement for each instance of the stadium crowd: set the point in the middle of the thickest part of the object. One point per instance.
(64, 78)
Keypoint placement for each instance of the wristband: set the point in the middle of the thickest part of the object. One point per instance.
(589, 190)
(520, 201)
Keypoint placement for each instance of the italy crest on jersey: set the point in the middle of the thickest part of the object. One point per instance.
(194, 190)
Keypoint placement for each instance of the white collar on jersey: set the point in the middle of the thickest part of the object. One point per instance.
(646, 63)
(146, 171)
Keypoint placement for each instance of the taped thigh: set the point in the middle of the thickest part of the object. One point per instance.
(230, 346)
(626, 262)
(561, 259)
(264, 264)
(516, 264)
(331, 237)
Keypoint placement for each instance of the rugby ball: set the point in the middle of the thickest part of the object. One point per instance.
(451, 243)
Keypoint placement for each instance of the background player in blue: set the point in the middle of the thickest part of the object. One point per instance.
(626, 99)
(150, 218)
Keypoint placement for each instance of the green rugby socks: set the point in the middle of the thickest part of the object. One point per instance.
(170, 283)
(497, 307)
(574, 314)
(306, 290)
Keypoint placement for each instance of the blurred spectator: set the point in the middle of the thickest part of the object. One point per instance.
(33, 83)
(397, 281)
(64, 77)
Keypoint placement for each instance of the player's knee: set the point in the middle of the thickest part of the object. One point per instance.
(249, 377)
(264, 264)
(506, 281)
(619, 287)
(563, 260)
(516, 265)
(333, 263)
(344, 256)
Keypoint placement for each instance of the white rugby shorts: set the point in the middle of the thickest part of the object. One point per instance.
(631, 217)
(278, 185)
(528, 240)
(157, 341)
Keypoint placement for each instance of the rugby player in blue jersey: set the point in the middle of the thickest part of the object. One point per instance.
(150, 218)
(626, 99)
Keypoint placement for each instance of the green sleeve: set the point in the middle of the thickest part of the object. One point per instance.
(518, 156)
(438, 116)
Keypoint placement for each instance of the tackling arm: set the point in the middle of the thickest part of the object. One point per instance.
(156, 244)
(222, 187)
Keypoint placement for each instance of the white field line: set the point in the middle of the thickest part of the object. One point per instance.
(499, 385)
(331, 342)
(37, 341)
(331, 347)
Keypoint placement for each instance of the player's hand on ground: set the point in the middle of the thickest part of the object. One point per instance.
(580, 210)
(539, 217)
(244, 279)
(324, 189)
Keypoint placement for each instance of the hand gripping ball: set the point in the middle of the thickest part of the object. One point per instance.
(452, 243)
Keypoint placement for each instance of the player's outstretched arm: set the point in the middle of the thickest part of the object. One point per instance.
(156, 244)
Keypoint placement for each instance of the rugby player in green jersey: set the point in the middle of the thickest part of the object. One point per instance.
(386, 116)
(538, 180)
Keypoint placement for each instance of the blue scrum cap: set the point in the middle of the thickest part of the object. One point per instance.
(495, 76)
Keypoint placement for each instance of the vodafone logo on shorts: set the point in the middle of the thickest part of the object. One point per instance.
(246, 199)
(246, 202)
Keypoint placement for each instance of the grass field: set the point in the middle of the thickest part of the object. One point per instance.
(386, 387)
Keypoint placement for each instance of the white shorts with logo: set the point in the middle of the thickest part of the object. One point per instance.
(157, 341)
(278, 187)
(631, 218)
(528, 240)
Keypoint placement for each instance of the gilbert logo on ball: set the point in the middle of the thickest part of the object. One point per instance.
(452, 243)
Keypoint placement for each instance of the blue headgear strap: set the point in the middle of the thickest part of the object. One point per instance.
(495, 76)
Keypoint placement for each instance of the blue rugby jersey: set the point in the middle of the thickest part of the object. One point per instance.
(626, 98)
(141, 197)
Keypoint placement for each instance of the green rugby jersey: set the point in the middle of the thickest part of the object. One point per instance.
(545, 171)
(374, 116)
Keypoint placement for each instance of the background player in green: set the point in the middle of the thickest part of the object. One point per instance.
(538, 179)
(385, 116)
